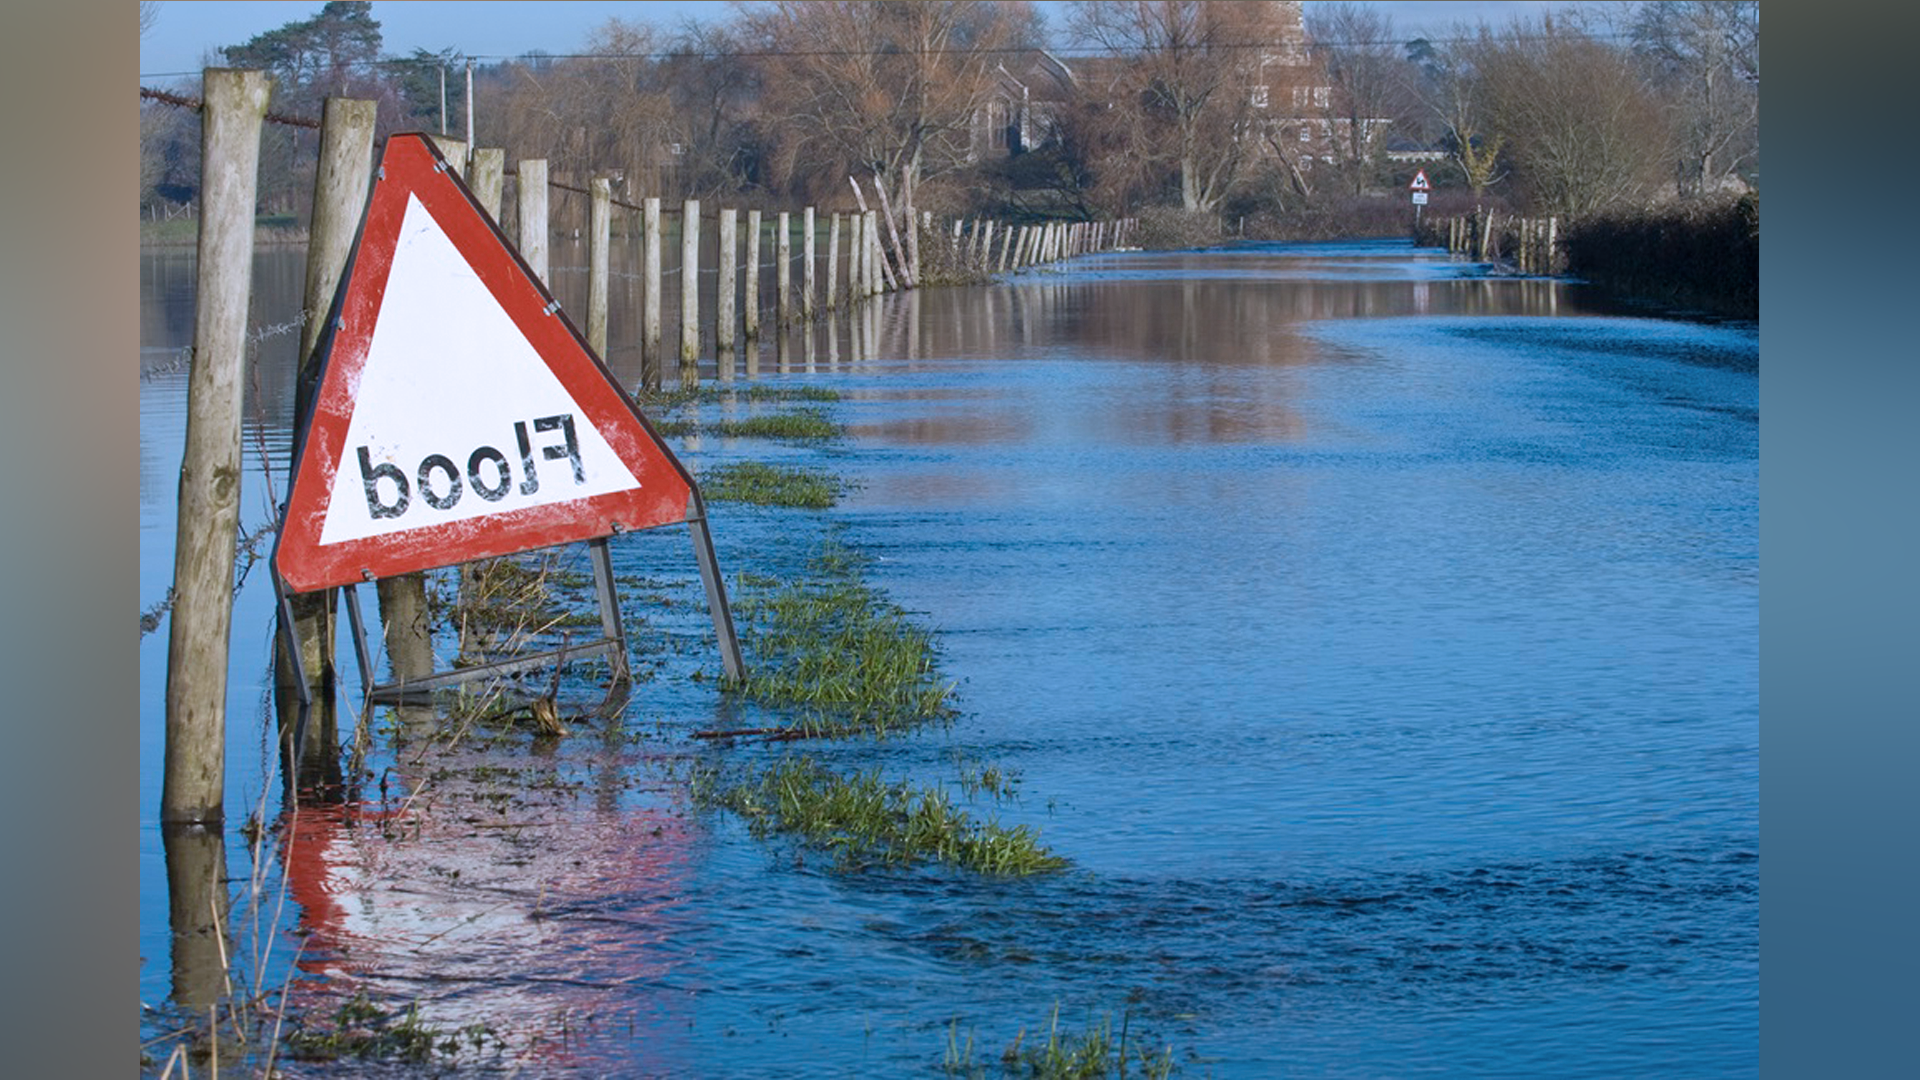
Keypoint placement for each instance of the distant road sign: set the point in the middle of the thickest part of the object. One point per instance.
(459, 415)
(1420, 183)
(1419, 198)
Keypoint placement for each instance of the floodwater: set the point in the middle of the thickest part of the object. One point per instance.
(1379, 640)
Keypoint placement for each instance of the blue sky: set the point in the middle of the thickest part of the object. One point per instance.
(187, 31)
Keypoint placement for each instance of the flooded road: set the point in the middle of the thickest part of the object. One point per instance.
(1378, 641)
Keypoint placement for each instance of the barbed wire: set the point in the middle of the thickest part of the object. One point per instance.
(182, 358)
(195, 104)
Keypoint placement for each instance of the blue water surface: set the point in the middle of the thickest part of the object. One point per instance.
(1378, 640)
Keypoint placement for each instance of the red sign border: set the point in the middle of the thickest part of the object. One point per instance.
(411, 165)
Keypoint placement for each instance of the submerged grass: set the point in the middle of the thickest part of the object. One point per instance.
(770, 485)
(862, 820)
(805, 424)
(847, 660)
(1089, 1055)
(362, 1029)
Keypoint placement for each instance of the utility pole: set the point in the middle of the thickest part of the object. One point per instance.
(469, 111)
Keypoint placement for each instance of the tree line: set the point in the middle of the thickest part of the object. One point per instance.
(1219, 109)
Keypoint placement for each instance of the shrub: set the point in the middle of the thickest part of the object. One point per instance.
(1702, 253)
(1164, 228)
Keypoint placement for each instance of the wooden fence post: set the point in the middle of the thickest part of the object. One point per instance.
(856, 259)
(806, 269)
(750, 302)
(532, 197)
(599, 236)
(201, 622)
(725, 313)
(783, 268)
(833, 265)
(650, 255)
(487, 176)
(690, 295)
(340, 183)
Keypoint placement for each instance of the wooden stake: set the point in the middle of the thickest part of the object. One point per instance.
(690, 295)
(235, 106)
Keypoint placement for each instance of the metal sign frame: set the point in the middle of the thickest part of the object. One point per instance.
(415, 178)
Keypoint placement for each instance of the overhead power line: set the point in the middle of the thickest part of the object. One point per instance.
(1080, 52)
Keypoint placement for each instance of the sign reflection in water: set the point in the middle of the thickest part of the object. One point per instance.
(1380, 644)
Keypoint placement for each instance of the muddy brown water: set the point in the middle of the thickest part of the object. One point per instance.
(1378, 639)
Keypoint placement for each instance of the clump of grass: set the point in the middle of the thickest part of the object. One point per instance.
(675, 428)
(800, 424)
(361, 1029)
(768, 485)
(1088, 1055)
(834, 649)
(862, 820)
(502, 596)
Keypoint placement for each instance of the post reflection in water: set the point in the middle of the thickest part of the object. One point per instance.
(198, 908)
(1379, 641)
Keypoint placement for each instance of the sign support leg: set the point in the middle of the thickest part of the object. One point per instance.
(361, 655)
(716, 590)
(284, 606)
(610, 624)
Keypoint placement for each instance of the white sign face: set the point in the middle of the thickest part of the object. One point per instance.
(1420, 198)
(456, 415)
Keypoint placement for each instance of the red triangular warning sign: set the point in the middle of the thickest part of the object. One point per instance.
(459, 414)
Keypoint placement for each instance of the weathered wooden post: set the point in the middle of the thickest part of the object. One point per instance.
(725, 314)
(783, 269)
(902, 275)
(650, 255)
(690, 295)
(532, 199)
(833, 263)
(750, 302)
(487, 176)
(454, 150)
(340, 183)
(599, 236)
(856, 260)
(806, 267)
(235, 105)
(885, 280)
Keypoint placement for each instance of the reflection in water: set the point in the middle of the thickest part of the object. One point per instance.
(1379, 643)
(197, 912)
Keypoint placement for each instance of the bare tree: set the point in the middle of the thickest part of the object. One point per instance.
(1706, 58)
(1451, 88)
(149, 14)
(886, 90)
(1194, 78)
(600, 114)
(1583, 129)
(1354, 44)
